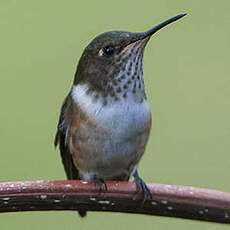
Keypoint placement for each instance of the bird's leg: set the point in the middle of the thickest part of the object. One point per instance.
(100, 182)
(141, 186)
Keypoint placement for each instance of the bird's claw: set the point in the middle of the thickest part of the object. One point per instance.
(100, 182)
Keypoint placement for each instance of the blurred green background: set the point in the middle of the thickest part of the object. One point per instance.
(187, 76)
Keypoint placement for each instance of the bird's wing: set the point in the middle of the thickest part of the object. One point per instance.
(62, 139)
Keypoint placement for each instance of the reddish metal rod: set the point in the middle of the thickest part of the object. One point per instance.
(167, 200)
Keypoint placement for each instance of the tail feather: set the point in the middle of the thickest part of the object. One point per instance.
(82, 213)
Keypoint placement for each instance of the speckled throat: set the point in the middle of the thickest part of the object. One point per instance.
(125, 79)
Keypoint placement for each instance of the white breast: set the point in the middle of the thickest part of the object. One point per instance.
(122, 116)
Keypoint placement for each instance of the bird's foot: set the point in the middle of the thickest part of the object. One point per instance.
(100, 182)
(142, 187)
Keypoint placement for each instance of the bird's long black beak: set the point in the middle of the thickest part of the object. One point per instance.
(152, 31)
(161, 25)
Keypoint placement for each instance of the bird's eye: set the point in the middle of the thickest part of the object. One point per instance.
(108, 50)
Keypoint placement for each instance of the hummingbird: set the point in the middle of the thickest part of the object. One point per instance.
(105, 120)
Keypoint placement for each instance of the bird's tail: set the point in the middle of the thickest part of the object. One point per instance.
(82, 213)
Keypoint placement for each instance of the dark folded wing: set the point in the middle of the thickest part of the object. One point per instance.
(62, 139)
